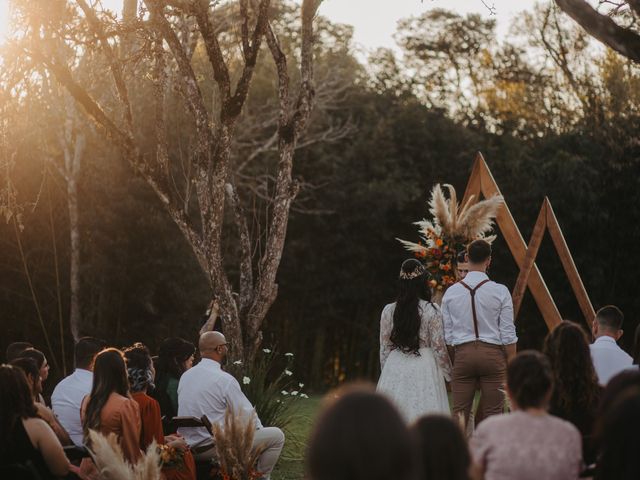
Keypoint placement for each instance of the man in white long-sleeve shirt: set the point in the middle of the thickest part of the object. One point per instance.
(478, 327)
(608, 358)
(208, 390)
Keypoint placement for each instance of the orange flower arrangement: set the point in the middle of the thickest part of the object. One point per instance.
(452, 228)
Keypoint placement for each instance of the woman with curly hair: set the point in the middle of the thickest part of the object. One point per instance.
(413, 355)
(576, 394)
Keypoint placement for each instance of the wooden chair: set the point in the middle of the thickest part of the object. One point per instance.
(205, 470)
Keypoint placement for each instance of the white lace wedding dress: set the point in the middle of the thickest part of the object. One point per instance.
(415, 382)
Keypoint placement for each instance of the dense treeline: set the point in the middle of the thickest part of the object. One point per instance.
(552, 114)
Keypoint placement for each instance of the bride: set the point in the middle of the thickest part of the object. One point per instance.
(413, 355)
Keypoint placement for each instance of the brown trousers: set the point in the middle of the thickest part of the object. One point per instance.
(478, 363)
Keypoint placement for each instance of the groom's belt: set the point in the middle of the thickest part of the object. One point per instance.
(479, 342)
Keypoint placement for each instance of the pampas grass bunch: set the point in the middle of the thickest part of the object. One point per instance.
(455, 224)
(111, 465)
(234, 447)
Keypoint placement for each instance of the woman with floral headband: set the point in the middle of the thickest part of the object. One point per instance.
(413, 354)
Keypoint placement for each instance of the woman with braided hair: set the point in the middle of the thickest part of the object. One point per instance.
(413, 355)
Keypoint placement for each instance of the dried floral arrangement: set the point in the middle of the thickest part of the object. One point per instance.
(234, 447)
(452, 228)
(111, 465)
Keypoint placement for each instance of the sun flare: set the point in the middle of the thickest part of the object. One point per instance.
(4, 20)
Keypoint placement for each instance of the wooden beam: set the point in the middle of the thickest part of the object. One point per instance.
(513, 237)
(568, 264)
(529, 260)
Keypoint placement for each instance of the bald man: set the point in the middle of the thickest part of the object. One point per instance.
(208, 390)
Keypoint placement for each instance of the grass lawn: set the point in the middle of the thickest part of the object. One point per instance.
(291, 463)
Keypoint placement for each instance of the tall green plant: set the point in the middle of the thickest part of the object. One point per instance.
(270, 386)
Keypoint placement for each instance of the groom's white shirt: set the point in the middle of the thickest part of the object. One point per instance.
(494, 310)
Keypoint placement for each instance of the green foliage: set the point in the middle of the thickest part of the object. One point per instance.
(270, 386)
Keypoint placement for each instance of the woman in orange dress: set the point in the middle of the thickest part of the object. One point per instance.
(141, 374)
(110, 409)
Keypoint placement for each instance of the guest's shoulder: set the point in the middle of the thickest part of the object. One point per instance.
(564, 426)
(495, 422)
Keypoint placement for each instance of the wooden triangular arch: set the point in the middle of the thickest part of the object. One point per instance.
(482, 182)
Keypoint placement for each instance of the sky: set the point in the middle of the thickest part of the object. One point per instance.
(375, 21)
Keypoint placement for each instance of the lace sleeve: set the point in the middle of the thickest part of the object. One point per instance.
(386, 324)
(436, 335)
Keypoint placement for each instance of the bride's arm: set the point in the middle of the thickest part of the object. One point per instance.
(386, 324)
(436, 333)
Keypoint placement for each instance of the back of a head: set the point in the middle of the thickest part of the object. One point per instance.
(360, 436)
(441, 449)
(173, 352)
(85, 351)
(16, 401)
(15, 349)
(617, 436)
(529, 379)
(610, 318)
(412, 287)
(109, 376)
(616, 386)
(567, 349)
(478, 251)
(34, 354)
(139, 367)
(27, 365)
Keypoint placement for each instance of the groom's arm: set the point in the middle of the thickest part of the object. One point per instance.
(507, 327)
(447, 327)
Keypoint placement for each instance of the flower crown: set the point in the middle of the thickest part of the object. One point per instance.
(419, 271)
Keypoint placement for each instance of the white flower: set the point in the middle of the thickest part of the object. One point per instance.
(304, 395)
(288, 354)
(294, 393)
(288, 373)
(266, 350)
(284, 392)
(301, 385)
(238, 362)
(246, 380)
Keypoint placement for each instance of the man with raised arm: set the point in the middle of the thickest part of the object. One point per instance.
(208, 390)
(478, 327)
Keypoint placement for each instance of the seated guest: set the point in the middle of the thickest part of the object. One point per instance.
(174, 358)
(140, 370)
(360, 436)
(15, 349)
(31, 371)
(636, 346)
(608, 358)
(207, 390)
(109, 408)
(617, 437)
(576, 393)
(615, 387)
(25, 438)
(43, 367)
(527, 444)
(68, 394)
(441, 449)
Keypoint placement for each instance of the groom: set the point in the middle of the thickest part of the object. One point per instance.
(479, 330)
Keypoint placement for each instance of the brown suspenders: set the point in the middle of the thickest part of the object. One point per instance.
(472, 291)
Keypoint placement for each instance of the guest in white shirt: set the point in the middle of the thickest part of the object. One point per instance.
(478, 327)
(208, 390)
(68, 394)
(608, 358)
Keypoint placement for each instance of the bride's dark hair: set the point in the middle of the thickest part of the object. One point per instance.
(412, 287)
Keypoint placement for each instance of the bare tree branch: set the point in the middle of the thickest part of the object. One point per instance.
(606, 30)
